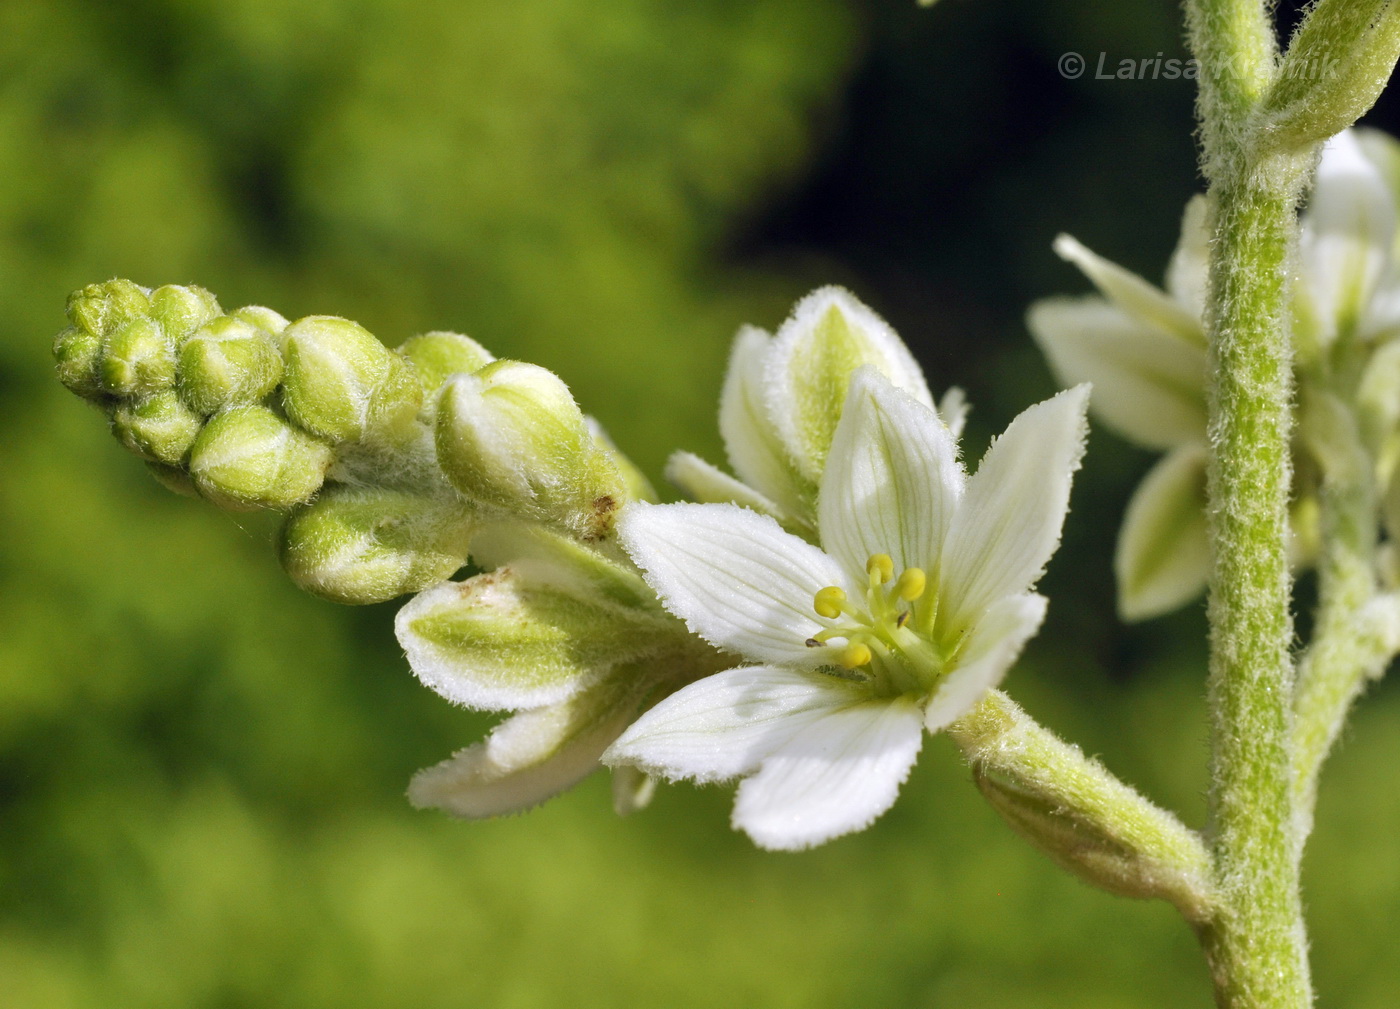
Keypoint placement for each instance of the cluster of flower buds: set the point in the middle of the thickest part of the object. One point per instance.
(385, 461)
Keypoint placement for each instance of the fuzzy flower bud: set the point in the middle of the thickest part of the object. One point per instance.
(104, 308)
(439, 355)
(343, 384)
(263, 318)
(249, 457)
(228, 362)
(137, 359)
(182, 310)
(511, 436)
(76, 354)
(367, 544)
(159, 428)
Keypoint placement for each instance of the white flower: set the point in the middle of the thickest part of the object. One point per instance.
(1144, 350)
(915, 605)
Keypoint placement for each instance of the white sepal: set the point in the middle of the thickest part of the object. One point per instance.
(1131, 293)
(834, 776)
(893, 480)
(989, 650)
(700, 481)
(1010, 519)
(1148, 386)
(1163, 555)
(736, 578)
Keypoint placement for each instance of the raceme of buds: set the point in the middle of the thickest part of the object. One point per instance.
(511, 437)
(249, 457)
(367, 544)
(344, 385)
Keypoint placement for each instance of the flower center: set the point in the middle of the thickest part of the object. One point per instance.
(881, 633)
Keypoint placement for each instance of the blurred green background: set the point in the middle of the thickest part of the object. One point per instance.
(201, 770)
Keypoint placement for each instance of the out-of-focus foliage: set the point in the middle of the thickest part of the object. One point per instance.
(201, 769)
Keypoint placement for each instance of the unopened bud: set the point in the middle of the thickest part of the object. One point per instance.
(263, 318)
(229, 362)
(511, 436)
(439, 355)
(104, 308)
(160, 428)
(76, 353)
(137, 359)
(367, 544)
(343, 384)
(182, 310)
(249, 457)
(173, 479)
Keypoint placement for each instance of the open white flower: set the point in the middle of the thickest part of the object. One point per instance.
(1144, 350)
(915, 605)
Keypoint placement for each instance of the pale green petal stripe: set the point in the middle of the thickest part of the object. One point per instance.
(988, 651)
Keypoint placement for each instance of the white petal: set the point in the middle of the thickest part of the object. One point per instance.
(724, 725)
(529, 757)
(892, 480)
(1148, 386)
(1163, 556)
(1187, 273)
(833, 777)
(703, 482)
(1009, 521)
(1131, 293)
(953, 409)
(807, 373)
(988, 652)
(736, 578)
(1347, 233)
(750, 439)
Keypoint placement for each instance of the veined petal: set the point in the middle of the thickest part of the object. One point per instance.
(724, 725)
(708, 484)
(989, 650)
(1008, 523)
(1348, 233)
(1148, 387)
(834, 776)
(736, 578)
(1163, 555)
(808, 371)
(1187, 273)
(892, 480)
(531, 756)
(750, 439)
(1131, 293)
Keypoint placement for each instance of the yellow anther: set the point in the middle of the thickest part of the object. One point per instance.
(881, 566)
(829, 602)
(911, 584)
(854, 655)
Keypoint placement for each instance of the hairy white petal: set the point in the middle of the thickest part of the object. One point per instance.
(989, 650)
(808, 370)
(1148, 386)
(1131, 293)
(892, 482)
(734, 577)
(750, 439)
(834, 776)
(724, 725)
(1163, 556)
(1009, 521)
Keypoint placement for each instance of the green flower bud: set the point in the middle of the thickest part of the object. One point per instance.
(229, 362)
(510, 436)
(345, 385)
(160, 427)
(77, 353)
(249, 457)
(368, 544)
(137, 359)
(263, 318)
(438, 355)
(182, 310)
(103, 308)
